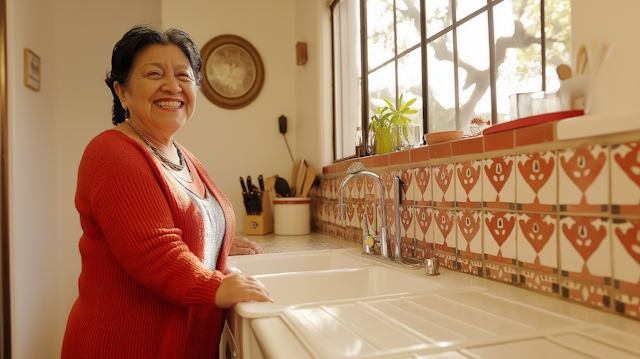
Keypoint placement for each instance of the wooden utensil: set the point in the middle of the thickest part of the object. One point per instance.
(582, 60)
(270, 185)
(302, 171)
(294, 176)
(308, 181)
(564, 72)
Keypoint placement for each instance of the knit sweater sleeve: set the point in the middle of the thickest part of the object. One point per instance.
(129, 205)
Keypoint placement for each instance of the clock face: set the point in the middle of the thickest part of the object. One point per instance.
(231, 71)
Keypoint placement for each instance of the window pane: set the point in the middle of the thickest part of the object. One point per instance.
(410, 83)
(382, 85)
(557, 19)
(437, 15)
(473, 71)
(518, 51)
(466, 7)
(380, 35)
(441, 97)
(407, 23)
(347, 100)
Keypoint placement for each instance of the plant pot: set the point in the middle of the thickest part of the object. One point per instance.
(384, 140)
(405, 137)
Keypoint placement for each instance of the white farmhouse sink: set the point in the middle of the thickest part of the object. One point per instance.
(295, 262)
(294, 289)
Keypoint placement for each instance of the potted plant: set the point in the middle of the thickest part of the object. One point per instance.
(380, 132)
(404, 134)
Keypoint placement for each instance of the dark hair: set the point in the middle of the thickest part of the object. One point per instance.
(134, 41)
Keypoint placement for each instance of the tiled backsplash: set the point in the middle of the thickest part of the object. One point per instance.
(557, 217)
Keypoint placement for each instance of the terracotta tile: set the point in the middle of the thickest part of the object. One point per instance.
(447, 260)
(537, 242)
(358, 189)
(370, 190)
(423, 250)
(499, 182)
(387, 181)
(407, 229)
(499, 141)
(352, 222)
(470, 266)
(469, 184)
(324, 188)
(424, 227)
(534, 134)
(537, 182)
(367, 161)
(467, 146)
(469, 233)
(626, 254)
(628, 304)
(582, 176)
(329, 169)
(391, 220)
(408, 185)
(399, 158)
(500, 236)
(443, 190)
(501, 272)
(349, 190)
(342, 166)
(585, 249)
(625, 178)
(381, 160)
(599, 296)
(542, 282)
(444, 235)
(335, 188)
(423, 194)
(440, 150)
(372, 219)
(419, 154)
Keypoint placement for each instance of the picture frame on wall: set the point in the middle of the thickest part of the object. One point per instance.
(31, 70)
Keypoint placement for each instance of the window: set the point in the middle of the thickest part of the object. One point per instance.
(460, 59)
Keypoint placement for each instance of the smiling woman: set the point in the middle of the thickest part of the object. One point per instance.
(157, 230)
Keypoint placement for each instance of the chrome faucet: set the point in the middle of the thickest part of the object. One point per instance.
(357, 169)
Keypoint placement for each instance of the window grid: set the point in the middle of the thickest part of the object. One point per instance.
(453, 28)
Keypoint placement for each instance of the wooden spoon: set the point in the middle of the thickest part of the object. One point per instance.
(564, 72)
(308, 181)
(294, 176)
(302, 171)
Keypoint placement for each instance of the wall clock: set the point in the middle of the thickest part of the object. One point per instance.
(232, 71)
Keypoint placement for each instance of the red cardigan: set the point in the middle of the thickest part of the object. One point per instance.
(144, 291)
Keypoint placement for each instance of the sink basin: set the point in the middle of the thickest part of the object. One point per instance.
(293, 289)
(295, 262)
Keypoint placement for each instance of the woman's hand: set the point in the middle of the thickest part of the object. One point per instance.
(242, 245)
(237, 287)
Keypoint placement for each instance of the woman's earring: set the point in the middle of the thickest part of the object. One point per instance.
(126, 114)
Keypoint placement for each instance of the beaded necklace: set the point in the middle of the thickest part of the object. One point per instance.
(176, 167)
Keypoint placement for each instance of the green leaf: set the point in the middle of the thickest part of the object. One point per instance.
(390, 105)
(409, 112)
(410, 102)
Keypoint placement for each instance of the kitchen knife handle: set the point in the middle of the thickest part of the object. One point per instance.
(249, 184)
(244, 188)
(261, 182)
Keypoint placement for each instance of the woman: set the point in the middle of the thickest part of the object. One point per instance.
(157, 230)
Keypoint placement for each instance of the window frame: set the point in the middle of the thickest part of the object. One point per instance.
(424, 41)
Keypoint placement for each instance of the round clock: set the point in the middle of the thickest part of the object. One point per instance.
(232, 71)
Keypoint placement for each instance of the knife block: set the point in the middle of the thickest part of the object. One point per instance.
(263, 223)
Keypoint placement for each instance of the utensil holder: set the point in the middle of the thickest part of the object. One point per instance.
(292, 216)
(260, 224)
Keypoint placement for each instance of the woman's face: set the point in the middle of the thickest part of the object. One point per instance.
(161, 90)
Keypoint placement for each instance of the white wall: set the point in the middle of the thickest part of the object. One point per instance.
(616, 87)
(246, 141)
(48, 131)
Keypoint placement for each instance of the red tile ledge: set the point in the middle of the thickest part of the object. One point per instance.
(534, 134)
(467, 146)
(440, 150)
(399, 158)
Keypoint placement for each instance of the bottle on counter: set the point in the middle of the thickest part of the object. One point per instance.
(359, 143)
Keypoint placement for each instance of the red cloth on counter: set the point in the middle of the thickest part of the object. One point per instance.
(144, 291)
